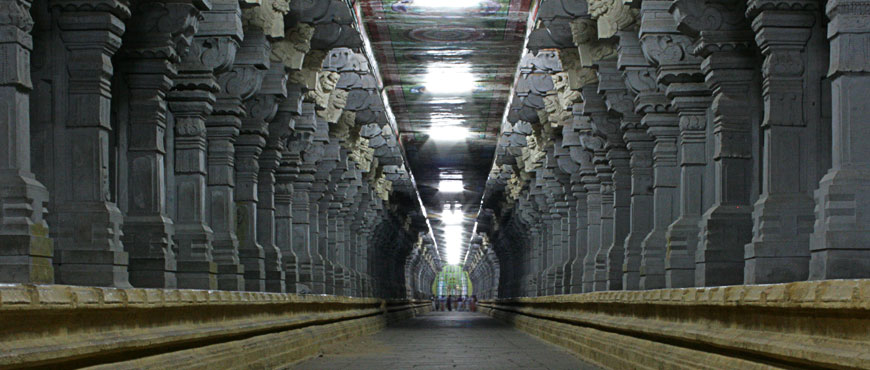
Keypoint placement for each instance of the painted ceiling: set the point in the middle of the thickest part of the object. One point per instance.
(447, 65)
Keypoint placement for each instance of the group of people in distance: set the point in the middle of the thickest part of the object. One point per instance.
(449, 303)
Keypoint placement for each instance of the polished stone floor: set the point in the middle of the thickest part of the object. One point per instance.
(446, 340)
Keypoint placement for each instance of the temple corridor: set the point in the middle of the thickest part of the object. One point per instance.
(445, 340)
(261, 184)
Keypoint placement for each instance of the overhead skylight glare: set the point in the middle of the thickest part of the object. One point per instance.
(447, 3)
(451, 186)
(444, 78)
(448, 133)
(452, 217)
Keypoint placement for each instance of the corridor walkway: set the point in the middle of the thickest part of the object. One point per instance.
(446, 340)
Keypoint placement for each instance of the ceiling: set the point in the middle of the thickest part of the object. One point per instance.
(447, 67)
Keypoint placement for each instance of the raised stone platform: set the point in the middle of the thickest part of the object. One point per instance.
(70, 326)
(805, 324)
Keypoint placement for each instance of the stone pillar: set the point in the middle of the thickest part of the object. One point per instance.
(563, 261)
(72, 134)
(783, 216)
(581, 160)
(319, 208)
(691, 100)
(332, 247)
(664, 128)
(730, 68)
(612, 85)
(838, 248)
(260, 110)
(665, 49)
(191, 101)
(223, 128)
(25, 248)
(567, 169)
(269, 161)
(639, 78)
(159, 35)
(611, 152)
(592, 184)
(581, 237)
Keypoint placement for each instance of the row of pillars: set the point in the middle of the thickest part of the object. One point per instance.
(222, 144)
(668, 144)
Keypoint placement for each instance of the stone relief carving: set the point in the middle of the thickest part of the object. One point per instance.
(590, 48)
(269, 17)
(612, 16)
(291, 50)
(162, 29)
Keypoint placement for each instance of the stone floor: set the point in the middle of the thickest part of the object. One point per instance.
(446, 340)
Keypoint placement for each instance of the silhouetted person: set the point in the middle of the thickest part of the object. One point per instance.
(450, 302)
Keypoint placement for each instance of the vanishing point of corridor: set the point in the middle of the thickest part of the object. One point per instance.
(446, 340)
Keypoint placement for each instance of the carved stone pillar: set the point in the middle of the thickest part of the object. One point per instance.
(223, 128)
(783, 216)
(691, 100)
(302, 231)
(639, 78)
(260, 109)
(730, 68)
(191, 101)
(569, 169)
(664, 49)
(159, 35)
(72, 135)
(612, 85)
(611, 152)
(838, 248)
(593, 186)
(554, 231)
(25, 248)
(581, 160)
(269, 161)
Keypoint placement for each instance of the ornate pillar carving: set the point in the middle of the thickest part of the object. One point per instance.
(238, 84)
(191, 101)
(664, 52)
(783, 216)
(639, 78)
(580, 159)
(72, 135)
(260, 109)
(592, 184)
(305, 206)
(730, 68)
(612, 85)
(25, 248)
(275, 86)
(159, 35)
(838, 248)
